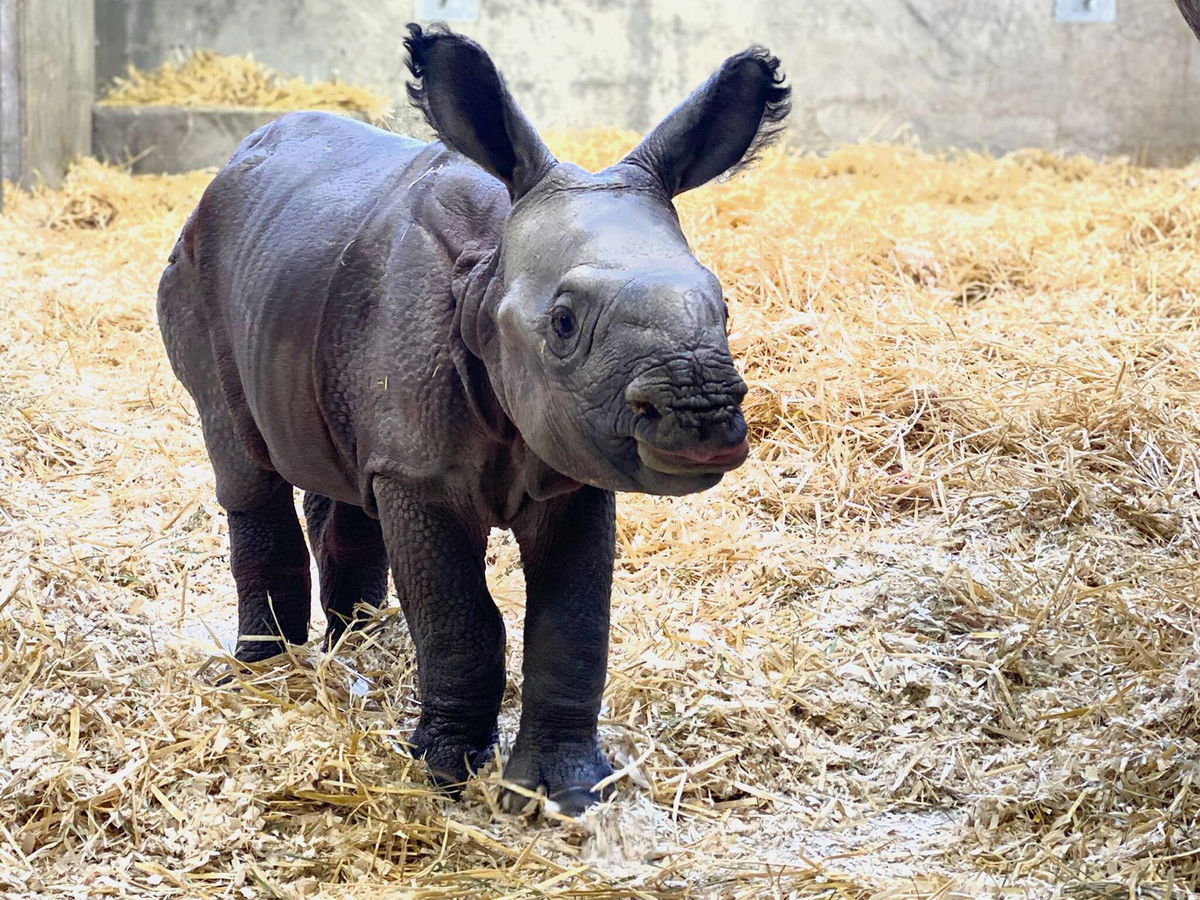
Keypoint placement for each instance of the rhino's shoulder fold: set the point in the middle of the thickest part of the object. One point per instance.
(474, 272)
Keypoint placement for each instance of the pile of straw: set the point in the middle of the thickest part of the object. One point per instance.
(936, 638)
(209, 79)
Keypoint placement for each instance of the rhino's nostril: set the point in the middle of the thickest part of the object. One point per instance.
(645, 410)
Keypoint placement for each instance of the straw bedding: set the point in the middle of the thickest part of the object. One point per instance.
(936, 638)
(205, 78)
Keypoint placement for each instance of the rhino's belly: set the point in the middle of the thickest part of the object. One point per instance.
(300, 446)
(285, 405)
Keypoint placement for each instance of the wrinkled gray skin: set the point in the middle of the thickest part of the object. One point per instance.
(431, 342)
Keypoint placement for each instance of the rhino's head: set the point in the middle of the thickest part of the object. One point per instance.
(604, 338)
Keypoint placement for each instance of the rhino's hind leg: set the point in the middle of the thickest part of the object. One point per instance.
(437, 560)
(351, 561)
(270, 567)
(266, 548)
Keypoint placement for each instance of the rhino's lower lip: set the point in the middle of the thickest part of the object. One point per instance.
(691, 463)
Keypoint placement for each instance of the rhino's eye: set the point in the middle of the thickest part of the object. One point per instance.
(562, 320)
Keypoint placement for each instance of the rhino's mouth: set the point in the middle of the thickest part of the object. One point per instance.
(693, 461)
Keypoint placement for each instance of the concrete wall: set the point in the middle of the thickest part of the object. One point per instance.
(46, 83)
(993, 74)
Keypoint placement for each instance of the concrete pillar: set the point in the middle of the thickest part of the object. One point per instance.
(47, 53)
(2, 170)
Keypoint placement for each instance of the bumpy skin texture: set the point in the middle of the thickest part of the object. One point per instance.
(431, 346)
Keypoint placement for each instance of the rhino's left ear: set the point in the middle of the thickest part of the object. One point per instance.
(721, 127)
(465, 101)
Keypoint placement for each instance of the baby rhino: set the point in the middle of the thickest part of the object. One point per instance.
(431, 340)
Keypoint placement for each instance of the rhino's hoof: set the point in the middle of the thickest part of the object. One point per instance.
(449, 783)
(564, 775)
(249, 660)
(517, 803)
(449, 760)
(259, 651)
(571, 801)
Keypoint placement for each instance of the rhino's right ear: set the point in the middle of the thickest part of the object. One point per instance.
(721, 127)
(465, 101)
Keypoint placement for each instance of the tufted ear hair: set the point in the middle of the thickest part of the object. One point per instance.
(722, 127)
(459, 90)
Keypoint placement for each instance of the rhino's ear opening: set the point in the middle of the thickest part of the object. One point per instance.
(722, 127)
(465, 101)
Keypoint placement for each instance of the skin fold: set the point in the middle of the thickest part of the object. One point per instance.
(432, 340)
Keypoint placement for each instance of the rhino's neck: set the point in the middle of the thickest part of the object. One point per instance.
(474, 272)
(472, 337)
(475, 285)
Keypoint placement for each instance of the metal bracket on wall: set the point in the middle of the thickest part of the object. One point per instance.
(449, 10)
(1085, 10)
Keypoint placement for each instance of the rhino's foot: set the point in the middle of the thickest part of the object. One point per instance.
(259, 651)
(362, 623)
(450, 756)
(249, 660)
(566, 772)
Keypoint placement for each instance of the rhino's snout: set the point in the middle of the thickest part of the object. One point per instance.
(688, 428)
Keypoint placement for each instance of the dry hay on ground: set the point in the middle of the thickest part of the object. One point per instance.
(938, 636)
(205, 78)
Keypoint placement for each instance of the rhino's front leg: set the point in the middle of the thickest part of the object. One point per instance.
(567, 552)
(437, 561)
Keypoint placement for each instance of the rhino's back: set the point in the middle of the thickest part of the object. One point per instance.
(263, 257)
